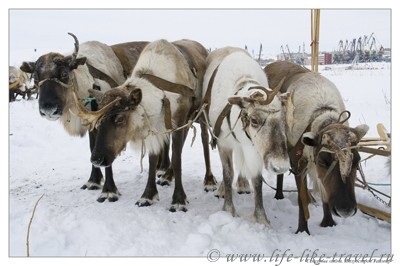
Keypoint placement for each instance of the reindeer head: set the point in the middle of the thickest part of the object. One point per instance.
(336, 162)
(112, 122)
(263, 119)
(52, 73)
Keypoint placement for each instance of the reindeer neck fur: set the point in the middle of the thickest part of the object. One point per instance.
(147, 119)
(80, 81)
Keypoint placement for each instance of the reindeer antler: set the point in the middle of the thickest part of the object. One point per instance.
(75, 53)
(90, 118)
(258, 97)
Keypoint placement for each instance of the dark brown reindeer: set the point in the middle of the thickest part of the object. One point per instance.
(91, 65)
(162, 94)
(320, 141)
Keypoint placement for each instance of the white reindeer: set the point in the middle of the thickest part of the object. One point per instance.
(248, 122)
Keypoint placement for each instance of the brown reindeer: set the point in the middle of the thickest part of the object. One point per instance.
(320, 141)
(91, 65)
(162, 94)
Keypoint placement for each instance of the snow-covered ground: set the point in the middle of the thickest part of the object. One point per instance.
(45, 160)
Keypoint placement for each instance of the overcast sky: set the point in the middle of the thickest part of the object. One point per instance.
(47, 29)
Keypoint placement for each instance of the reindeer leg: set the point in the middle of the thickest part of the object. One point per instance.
(150, 193)
(242, 185)
(327, 220)
(259, 212)
(168, 175)
(227, 172)
(279, 187)
(163, 161)
(179, 196)
(303, 204)
(210, 183)
(110, 190)
(221, 191)
(96, 176)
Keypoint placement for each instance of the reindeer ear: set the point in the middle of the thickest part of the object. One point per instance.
(81, 61)
(309, 139)
(28, 67)
(361, 130)
(78, 62)
(135, 97)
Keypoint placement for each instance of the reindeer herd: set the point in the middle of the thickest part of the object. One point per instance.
(280, 118)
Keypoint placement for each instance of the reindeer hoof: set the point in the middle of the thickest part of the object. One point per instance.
(91, 186)
(243, 192)
(112, 197)
(178, 207)
(327, 223)
(210, 188)
(146, 201)
(279, 196)
(101, 199)
(301, 230)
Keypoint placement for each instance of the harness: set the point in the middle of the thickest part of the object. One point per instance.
(226, 111)
(168, 86)
(98, 74)
(298, 161)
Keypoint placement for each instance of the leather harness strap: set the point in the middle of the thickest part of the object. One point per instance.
(166, 85)
(207, 96)
(97, 73)
(217, 127)
(298, 161)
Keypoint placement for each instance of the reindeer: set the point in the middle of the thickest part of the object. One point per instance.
(91, 65)
(320, 141)
(19, 84)
(161, 95)
(248, 121)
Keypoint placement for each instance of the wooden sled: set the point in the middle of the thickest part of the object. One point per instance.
(383, 140)
(375, 213)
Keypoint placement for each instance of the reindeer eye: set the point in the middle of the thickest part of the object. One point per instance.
(120, 120)
(254, 122)
(64, 75)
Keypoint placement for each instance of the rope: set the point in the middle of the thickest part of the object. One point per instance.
(153, 131)
(364, 185)
(284, 190)
(378, 184)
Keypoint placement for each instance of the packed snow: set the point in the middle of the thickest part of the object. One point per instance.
(68, 221)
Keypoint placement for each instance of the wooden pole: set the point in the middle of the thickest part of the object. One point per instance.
(315, 19)
(375, 212)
